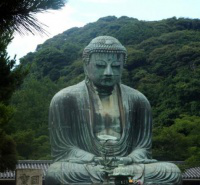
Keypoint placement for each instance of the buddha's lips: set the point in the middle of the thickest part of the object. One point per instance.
(109, 77)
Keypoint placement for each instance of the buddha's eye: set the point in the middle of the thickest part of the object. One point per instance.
(116, 64)
(100, 64)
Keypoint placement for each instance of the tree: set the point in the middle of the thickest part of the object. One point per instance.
(7, 152)
(15, 15)
(181, 141)
(18, 15)
(10, 79)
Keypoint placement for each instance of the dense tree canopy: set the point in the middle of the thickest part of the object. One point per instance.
(163, 63)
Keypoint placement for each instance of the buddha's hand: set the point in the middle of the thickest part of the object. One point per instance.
(124, 160)
(108, 161)
(144, 161)
(98, 160)
(124, 170)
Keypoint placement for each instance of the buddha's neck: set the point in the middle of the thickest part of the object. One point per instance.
(109, 103)
(103, 92)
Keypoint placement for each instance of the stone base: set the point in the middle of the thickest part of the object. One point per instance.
(104, 183)
(91, 184)
(107, 183)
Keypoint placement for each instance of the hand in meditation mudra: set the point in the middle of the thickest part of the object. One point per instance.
(82, 116)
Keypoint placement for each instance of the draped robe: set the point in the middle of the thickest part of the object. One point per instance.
(74, 145)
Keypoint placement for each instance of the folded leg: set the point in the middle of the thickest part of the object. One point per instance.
(162, 173)
(66, 173)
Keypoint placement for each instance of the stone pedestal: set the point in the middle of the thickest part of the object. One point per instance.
(29, 177)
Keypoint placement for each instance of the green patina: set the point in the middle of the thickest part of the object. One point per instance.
(101, 128)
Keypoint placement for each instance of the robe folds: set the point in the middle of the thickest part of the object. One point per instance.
(74, 145)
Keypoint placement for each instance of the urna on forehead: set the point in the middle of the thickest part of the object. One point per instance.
(103, 44)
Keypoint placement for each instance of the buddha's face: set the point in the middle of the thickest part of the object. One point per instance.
(105, 69)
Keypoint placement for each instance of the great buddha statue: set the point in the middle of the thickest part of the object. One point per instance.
(102, 117)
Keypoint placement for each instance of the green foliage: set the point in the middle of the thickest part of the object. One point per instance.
(10, 79)
(15, 16)
(33, 100)
(20, 15)
(6, 113)
(169, 144)
(7, 152)
(163, 63)
(30, 146)
(180, 141)
(29, 126)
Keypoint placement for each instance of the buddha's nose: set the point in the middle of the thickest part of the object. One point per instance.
(108, 71)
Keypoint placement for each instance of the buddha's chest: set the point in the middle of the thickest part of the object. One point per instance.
(107, 117)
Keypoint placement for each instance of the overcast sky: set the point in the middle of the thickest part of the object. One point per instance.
(80, 12)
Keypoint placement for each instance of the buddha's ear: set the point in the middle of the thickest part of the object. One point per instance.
(85, 69)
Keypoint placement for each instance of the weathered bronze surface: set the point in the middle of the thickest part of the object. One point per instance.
(102, 129)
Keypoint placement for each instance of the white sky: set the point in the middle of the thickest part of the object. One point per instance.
(80, 12)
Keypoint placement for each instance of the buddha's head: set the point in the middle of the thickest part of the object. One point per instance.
(103, 59)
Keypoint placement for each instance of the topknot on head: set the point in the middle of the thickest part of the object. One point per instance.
(103, 44)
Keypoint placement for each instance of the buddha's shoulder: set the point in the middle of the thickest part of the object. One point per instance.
(131, 92)
(70, 92)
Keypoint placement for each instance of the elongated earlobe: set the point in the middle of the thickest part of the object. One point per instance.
(85, 70)
(86, 73)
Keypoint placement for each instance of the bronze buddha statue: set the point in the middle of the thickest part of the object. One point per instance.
(99, 109)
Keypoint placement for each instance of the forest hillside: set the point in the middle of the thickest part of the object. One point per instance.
(163, 63)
